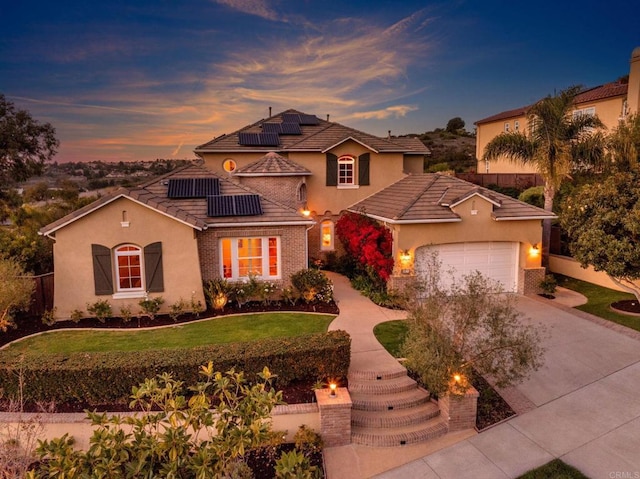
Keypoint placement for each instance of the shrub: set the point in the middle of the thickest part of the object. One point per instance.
(533, 196)
(150, 306)
(76, 315)
(294, 465)
(101, 309)
(313, 285)
(49, 317)
(177, 309)
(196, 306)
(307, 441)
(549, 284)
(125, 313)
(217, 292)
(107, 377)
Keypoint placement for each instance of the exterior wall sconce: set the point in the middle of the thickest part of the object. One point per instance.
(332, 388)
(534, 250)
(405, 261)
(306, 211)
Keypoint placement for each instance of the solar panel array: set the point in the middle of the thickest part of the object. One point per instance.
(282, 128)
(193, 187)
(300, 119)
(259, 139)
(233, 205)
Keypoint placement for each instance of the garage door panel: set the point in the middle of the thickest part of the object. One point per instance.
(496, 260)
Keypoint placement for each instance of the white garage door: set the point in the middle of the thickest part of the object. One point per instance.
(496, 260)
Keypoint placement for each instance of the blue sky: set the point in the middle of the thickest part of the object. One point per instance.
(146, 79)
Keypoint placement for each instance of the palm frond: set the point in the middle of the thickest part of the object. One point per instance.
(515, 146)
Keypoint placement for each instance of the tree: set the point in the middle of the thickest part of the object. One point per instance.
(25, 144)
(624, 144)
(548, 146)
(15, 293)
(205, 433)
(602, 221)
(455, 124)
(470, 325)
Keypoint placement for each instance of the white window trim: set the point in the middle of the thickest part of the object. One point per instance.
(506, 127)
(128, 292)
(332, 227)
(235, 269)
(347, 160)
(516, 125)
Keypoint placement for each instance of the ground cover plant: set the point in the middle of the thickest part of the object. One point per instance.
(555, 469)
(218, 330)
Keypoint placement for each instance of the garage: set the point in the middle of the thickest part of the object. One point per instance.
(496, 260)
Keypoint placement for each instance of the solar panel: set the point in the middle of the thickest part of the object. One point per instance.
(270, 127)
(233, 205)
(308, 119)
(291, 118)
(290, 129)
(193, 187)
(259, 139)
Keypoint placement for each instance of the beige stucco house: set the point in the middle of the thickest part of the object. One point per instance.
(612, 102)
(264, 200)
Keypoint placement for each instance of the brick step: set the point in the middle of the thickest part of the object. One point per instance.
(395, 418)
(399, 436)
(369, 375)
(385, 386)
(389, 402)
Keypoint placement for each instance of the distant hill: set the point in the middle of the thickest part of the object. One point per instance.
(449, 151)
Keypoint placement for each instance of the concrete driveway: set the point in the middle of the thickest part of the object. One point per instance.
(584, 407)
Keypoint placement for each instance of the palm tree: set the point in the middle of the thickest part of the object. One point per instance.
(548, 145)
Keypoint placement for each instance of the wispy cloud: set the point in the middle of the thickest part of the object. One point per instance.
(396, 111)
(260, 8)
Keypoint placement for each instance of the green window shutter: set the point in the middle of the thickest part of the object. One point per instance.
(332, 170)
(363, 169)
(153, 267)
(102, 276)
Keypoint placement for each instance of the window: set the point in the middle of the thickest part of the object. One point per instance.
(244, 257)
(129, 268)
(229, 165)
(591, 111)
(506, 127)
(326, 235)
(516, 125)
(345, 171)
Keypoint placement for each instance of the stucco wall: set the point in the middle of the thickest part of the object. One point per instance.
(73, 264)
(570, 267)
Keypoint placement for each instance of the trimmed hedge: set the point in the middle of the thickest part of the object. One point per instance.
(108, 377)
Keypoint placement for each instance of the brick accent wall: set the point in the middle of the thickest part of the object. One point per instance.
(529, 280)
(460, 410)
(335, 416)
(315, 251)
(283, 189)
(292, 248)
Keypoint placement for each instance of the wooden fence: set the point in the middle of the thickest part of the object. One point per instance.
(42, 295)
(522, 181)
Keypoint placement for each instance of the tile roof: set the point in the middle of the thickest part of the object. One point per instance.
(602, 92)
(319, 137)
(428, 198)
(190, 211)
(272, 164)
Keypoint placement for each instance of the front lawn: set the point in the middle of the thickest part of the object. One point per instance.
(218, 330)
(599, 301)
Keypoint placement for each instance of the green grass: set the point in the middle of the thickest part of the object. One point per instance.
(599, 301)
(555, 469)
(231, 329)
(391, 335)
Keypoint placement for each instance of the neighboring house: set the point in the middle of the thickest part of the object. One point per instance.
(265, 199)
(612, 102)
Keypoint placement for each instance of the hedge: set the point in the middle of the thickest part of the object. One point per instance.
(102, 378)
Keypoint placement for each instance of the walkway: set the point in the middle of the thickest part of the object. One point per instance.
(584, 404)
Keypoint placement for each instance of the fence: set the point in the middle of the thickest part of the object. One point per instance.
(42, 299)
(522, 181)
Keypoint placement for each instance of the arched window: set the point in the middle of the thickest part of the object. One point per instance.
(327, 235)
(346, 174)
(129, 268)
(302, 192)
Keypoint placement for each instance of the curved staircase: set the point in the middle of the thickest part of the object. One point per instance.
(390, 409)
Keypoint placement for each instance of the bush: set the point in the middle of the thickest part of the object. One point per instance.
(107, 377)
(101, 309)
(549, 284)
(313, 285)
(533, 196)
(150, 306)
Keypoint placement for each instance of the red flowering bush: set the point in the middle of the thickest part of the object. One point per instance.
(368, 242)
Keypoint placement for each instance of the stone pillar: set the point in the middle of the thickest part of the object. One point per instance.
(529, 281)
(335, 416)
(460, 410)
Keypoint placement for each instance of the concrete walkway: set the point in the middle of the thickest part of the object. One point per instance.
(584, 404)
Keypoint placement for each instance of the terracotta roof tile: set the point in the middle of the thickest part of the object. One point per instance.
(427, 198)
(273, 164)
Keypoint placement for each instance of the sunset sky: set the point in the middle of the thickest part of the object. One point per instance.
(140, 80)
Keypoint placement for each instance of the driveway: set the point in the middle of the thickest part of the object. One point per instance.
(584, 407)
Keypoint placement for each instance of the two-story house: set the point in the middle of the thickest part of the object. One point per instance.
(612, 102)
(264, 201)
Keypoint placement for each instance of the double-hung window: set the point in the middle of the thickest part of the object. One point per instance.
(129, 269)
(346, 171)
(244, 257)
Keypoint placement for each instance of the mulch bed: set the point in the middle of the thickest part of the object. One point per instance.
(629, 306)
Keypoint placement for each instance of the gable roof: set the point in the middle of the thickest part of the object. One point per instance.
(272, 164)
(189, 211)
(315, 135)
(602, 92)
(430, 197)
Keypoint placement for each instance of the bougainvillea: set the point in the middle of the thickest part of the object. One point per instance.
(368, 242)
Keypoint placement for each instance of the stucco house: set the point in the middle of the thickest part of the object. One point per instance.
(612, 102)
(264, 200)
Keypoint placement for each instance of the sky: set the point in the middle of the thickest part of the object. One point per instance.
(124, 80)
